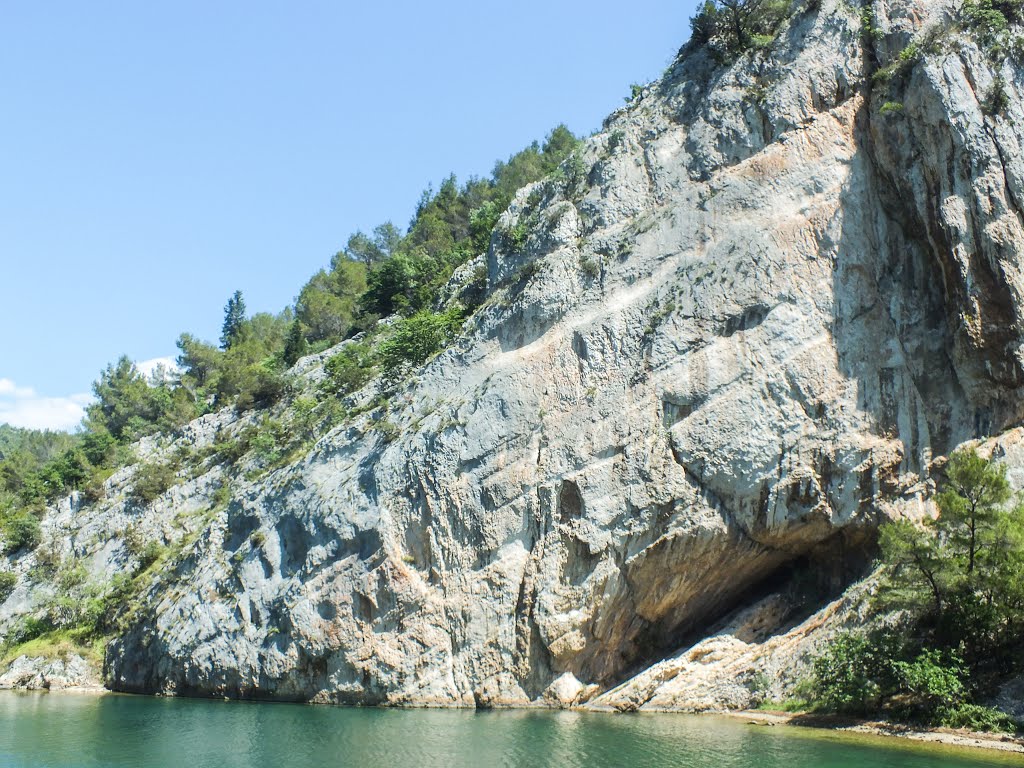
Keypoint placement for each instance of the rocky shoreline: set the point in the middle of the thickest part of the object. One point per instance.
(944, 736)
(72, 673)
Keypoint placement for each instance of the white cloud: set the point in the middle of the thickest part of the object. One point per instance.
(22, 407)
(148, 367)
(9, 389)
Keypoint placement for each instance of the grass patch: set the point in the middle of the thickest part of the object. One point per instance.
(59, 644)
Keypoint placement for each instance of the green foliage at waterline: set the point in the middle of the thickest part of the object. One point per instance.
(951, 610)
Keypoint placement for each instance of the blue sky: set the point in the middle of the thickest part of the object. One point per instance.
(156, 156)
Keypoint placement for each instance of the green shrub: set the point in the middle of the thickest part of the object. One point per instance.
(21, 531)
(869, 31)
(987, 18)
(900, 66)
(150, 553)
(8, 581)
(865, 673)
(590, 268)
(515, 237)
(1015, 48)
(855, 672)
(890, 108)
(388, 430)
(68, 578)
(229, 450)
(998, 99)
(268, 442)
(221, 496)
(116, 602)
(64, 474)
(94, 490)
(49, 562)
(29, 628)
(481, 224)
(975, 717)
(730, 27)
(79, 612)
(257, 539)
(350, 369)
(576, 172)
(414, 339)
(100, 448)
(259, 386)
(153, 480)
(759, 684)
(930, 681)
(304, 418)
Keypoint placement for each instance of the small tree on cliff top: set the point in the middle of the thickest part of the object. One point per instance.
(234, 320)
(733, 26)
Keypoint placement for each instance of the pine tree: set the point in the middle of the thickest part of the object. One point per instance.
(234, 319)
(295, 345)
(963, 570)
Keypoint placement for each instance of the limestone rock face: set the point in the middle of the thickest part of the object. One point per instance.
(747, 317)
(740, 329)
(43, 674)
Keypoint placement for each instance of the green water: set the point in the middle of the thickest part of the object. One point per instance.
(70, 730)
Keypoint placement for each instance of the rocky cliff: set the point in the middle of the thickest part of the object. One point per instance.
(743, 324)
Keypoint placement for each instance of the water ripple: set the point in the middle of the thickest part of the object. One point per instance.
(112, 731)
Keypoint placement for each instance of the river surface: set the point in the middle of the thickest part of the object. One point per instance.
(85, 731)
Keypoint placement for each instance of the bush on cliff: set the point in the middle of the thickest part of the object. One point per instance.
(152, 481)
(730, 27)
(7, 582)
(414, 339)
(21, 531)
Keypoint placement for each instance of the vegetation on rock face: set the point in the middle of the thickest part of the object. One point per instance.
(84, 612)
(374, 276)
(36, 467)
(350, 369)
(730, 27)
(153, 480)
(991, 18)
(953, 592)
(416, 338)
(21, 530)
(7, 583)
(386, 273)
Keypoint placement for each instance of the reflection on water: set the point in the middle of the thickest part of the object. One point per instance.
(85, 731)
